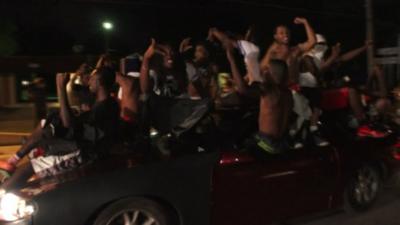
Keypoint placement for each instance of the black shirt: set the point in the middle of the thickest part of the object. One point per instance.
(98, 128)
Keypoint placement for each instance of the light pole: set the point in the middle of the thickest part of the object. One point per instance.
(107, 26)
(370, 34)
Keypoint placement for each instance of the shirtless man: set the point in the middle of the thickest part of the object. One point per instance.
(129, 91)
(280, 48)
(276, 102)
(276, 105)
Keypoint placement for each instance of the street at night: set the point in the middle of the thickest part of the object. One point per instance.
(384, 212)
(209, 112)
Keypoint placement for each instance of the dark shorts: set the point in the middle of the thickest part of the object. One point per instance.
(269, 145)
(314, 96)
(129, 130)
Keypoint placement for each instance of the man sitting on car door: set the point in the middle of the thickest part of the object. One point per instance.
(94, 131)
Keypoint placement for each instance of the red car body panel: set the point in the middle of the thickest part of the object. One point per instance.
(253, 191)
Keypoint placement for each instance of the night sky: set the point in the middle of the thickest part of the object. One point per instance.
(54, 27)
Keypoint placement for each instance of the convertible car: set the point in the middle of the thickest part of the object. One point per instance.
(228, 185)
(221, 187)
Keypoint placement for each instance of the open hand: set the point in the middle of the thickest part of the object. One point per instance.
(151, 50)
(185, 45)
(300, 20)
(211, 33)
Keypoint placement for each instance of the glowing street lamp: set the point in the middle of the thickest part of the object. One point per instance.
(107, 26)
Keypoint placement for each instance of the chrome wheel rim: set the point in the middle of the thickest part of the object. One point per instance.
(366, 186)
(133, 217)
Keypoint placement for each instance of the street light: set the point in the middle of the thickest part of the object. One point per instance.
(107, 26)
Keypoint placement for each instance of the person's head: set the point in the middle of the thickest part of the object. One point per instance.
(282, 34)
(168, 56)
(201, 53)
(110, 61)
(278, 71)
(39, 82)
(83, 72)
(382, 105)
(320, 47)
(104, 77)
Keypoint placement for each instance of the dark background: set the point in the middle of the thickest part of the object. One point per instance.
(54, 27)
(47, 28)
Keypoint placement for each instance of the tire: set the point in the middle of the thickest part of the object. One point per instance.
(133, 211)
(362, 189)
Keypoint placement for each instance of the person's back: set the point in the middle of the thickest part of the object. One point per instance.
(129, 97)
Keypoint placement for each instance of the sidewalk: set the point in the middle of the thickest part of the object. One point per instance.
(17, 121)
(12, 138)
(7, 151)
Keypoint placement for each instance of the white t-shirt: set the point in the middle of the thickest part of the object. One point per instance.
(307, 79)
(251, 54)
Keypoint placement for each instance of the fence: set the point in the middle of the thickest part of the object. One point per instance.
(389, 58)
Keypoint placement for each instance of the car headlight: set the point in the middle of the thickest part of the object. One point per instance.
(13, 207)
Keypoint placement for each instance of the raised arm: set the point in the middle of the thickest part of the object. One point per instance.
(229, 46)
(238, 79)
(311, 39)
(250, 34)
(101, 61)
(355, 52)
(332, 59)
(380, 78)
(214, 33)
(185, 45)
(65, 110)
(144, 70)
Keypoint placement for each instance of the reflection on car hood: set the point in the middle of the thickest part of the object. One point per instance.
(37, 185)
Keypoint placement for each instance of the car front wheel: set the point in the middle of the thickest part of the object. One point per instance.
(363, 188)
(133, 211)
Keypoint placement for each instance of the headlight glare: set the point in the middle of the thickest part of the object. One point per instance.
(13, 207)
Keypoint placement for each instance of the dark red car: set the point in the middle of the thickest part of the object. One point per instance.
(224, 187)
(231, 185)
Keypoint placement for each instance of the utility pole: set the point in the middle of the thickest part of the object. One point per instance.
(370, 35)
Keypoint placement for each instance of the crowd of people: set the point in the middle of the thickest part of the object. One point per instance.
(226, 69)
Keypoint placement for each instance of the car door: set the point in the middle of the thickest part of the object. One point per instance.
(258, 190)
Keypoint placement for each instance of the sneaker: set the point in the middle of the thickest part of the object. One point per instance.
(318, 139)
(372, 131)
(296, 143)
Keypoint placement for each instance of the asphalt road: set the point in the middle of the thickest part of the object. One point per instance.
(384, 212)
